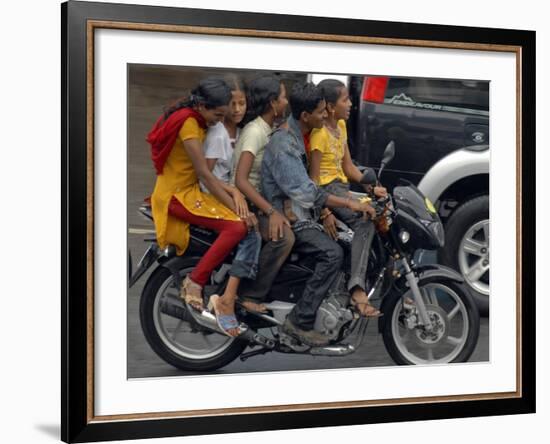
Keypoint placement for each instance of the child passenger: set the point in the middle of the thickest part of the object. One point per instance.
(219, 146)
(176, 149)
(267, 103)
(332, 168)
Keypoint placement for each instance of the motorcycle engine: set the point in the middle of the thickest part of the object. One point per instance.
(333, 313)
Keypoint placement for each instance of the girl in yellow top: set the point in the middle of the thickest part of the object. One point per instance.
(331, 167)
(177, 200)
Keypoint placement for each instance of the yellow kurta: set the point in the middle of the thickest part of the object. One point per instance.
(332, 149)
(179, 179)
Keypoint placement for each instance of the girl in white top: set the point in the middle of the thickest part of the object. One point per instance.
(219, 146)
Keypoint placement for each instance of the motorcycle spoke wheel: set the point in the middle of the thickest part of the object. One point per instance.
(449, 315)
(177, 332)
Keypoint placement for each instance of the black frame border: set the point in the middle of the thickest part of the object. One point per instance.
(76, 426)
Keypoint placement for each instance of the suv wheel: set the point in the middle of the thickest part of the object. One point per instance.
(467, 247)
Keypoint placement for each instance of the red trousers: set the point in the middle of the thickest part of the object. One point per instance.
(230, 234)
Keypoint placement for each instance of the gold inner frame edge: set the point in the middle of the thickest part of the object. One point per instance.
(98, 24)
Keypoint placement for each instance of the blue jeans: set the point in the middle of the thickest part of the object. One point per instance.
(245, 264)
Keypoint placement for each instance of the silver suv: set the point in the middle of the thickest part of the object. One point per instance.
(453, 184)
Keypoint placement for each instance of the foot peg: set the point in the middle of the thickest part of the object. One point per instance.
(258, 339)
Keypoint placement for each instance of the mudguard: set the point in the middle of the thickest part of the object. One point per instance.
(435, 270)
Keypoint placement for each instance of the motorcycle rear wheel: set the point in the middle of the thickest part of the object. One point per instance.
(169, 331)
(453, 312)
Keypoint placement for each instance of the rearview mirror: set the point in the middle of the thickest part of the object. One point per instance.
(369, 177)
(389, 153)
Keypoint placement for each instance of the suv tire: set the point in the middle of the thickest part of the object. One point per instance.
(467, 248)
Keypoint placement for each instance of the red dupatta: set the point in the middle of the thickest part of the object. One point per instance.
(164, 133)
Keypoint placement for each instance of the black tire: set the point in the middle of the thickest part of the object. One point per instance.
(155, 283)
(462, 219)
(393, 303)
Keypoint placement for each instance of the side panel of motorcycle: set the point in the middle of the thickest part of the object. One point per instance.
(176, 263)
(289, 284)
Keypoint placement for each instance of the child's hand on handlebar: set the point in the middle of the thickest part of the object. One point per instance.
(380, 192)
(362, 207)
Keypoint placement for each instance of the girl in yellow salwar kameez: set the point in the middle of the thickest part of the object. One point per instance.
(177, 200)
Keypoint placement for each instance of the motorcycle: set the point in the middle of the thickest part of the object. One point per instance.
(429, 316)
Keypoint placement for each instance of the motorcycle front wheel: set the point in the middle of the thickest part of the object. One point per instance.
(172, 334)
(453, 313)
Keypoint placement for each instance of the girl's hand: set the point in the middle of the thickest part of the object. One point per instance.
(240, 204)
(251, 222)
(276, 225)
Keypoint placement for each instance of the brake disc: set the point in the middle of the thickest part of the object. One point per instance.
(439, 332)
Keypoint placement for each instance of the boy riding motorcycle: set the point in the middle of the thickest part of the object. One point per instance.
(285, 176)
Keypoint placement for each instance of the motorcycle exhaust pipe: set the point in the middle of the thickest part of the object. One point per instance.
(336, 350)
(208, 320)
(344, 349)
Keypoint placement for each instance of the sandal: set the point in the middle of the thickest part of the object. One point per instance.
(226, 323)
(369, 311)
(253, 307)
(191, 293)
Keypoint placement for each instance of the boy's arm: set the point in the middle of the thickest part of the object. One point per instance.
(292, 177)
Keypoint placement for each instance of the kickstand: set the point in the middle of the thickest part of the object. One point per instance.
(261, 351)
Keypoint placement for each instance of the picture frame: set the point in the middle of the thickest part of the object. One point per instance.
(80, 22)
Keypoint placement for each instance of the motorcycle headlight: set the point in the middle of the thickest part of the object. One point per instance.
(404, 236)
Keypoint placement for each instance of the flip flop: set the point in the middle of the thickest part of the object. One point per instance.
(225, 322)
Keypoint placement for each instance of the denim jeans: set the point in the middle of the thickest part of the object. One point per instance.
(364, 231)
(328, 261)
(272, 257)
(245, 264)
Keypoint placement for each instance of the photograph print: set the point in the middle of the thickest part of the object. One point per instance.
(283, 221)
